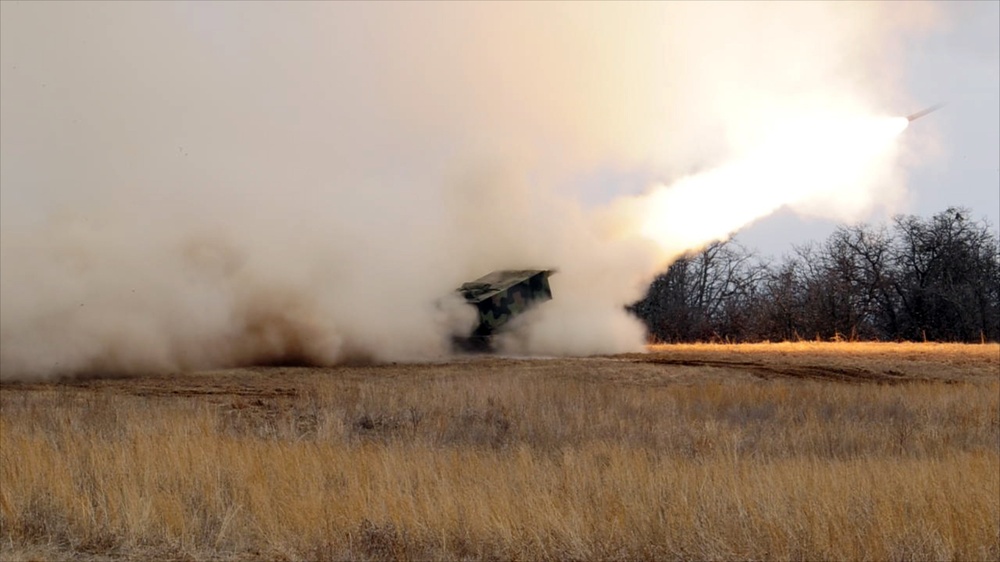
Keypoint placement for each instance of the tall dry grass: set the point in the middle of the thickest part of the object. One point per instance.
(590, 459)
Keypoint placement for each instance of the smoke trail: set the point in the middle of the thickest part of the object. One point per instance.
(836, 166)
(196, 185)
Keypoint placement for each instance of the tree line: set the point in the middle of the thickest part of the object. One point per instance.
(917, 279)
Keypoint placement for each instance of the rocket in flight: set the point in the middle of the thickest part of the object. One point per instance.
(923, 112)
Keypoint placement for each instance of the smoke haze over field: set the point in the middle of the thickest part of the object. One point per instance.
(192, 185)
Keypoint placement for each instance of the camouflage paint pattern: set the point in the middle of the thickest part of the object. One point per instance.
(499, 297)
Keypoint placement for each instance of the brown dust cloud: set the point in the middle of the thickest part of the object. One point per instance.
(201, 185)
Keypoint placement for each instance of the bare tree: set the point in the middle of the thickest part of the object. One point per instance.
(702, 296)
(934, 279)
(947, 277)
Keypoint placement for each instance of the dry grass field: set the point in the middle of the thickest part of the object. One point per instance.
(799, 451)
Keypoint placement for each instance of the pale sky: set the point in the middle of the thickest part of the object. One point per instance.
(958, 63)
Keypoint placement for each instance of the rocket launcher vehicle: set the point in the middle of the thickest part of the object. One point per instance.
(499, 297)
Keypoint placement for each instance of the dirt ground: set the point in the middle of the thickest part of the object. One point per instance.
(849, 363)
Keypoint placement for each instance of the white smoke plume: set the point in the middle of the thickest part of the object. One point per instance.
(194, 185)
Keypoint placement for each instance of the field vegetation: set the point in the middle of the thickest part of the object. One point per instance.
(785, 451)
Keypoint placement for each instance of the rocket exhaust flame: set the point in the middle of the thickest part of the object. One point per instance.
(820, 164)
